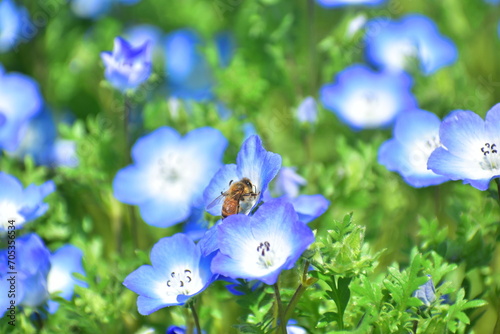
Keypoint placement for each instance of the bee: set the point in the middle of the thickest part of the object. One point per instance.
(240, 197)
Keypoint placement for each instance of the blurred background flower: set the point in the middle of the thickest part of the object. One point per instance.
(12, 20)
(20, 99)
(416, 136)
(365, 99)
(169, 173)
(390, 45)
(342, 3)
(21, 205)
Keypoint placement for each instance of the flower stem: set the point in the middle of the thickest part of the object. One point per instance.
(305, 283)
(498, 188)
(281, 314)
(127, 110)
(195, 317)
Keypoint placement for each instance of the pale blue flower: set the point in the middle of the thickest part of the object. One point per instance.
(39, 273)
(366, 99)
(262, 245)
(342, 3)
(390, 44)
(307, 112)
(416, 136)
(188, 72)
(20, 100)
(21, 205)
(169, 173)
(469, 150)
(426, 292)
(13, 19)
(178, 272)
(127, 67)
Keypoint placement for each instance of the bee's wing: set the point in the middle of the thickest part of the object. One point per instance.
(216, 201)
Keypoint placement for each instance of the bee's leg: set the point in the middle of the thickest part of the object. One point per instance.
(230, 182)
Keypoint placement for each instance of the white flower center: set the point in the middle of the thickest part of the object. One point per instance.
(370, 108)
(267, 256)
(176, 176)
(9, 211)
(421, 151)
(490, 159)
(180, 283)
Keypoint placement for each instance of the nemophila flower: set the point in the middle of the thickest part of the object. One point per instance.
(188, 72)
(426, 292)
(364, 99)
(342, 3)
(64, 153)
(139, 34)
(287, 185)
(178, 272)
(169, 173)
(288, 182)
(90, 8)
(469, 150)
(307, 112)
(226, 45)
(292, 328)
(127, 67)
(390, 44)
(94, 9)
(262, 245)
(253, 163)
(181, 330)
(12, 20)
(65, 262)
(196, 225)
(21, 205)
(37, 138)
(355, 25)
(39, 274)
(20, 99)
(416, 136)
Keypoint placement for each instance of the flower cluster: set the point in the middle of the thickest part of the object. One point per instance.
(40, 273)
(21, 205)
(428, 152)
(255, 241)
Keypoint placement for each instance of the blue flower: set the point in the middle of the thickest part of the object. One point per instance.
(341, 3)
(309, 207)
(178, 272)
(20, 99)
(426, 292)
(127, 67)
(416, 136)
(21, 205)
(12, 19)
(181, 330)
(469, 150)
(389, 44)
(38, 273)
(94, 9)
(169, 173)
(262, 245)
(226, 45)
(292, 328)
(188, 72)
(140, 34)
(307, 112)
(196, 225)
(90, 8)
(363, 99)
(253, 163)
(288, 182)
(64, 153)
(38, 138)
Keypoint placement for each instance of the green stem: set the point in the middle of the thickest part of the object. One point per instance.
(195, 317)
(128, 145)
(298, 293)
(498, 188)
(281, 313)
